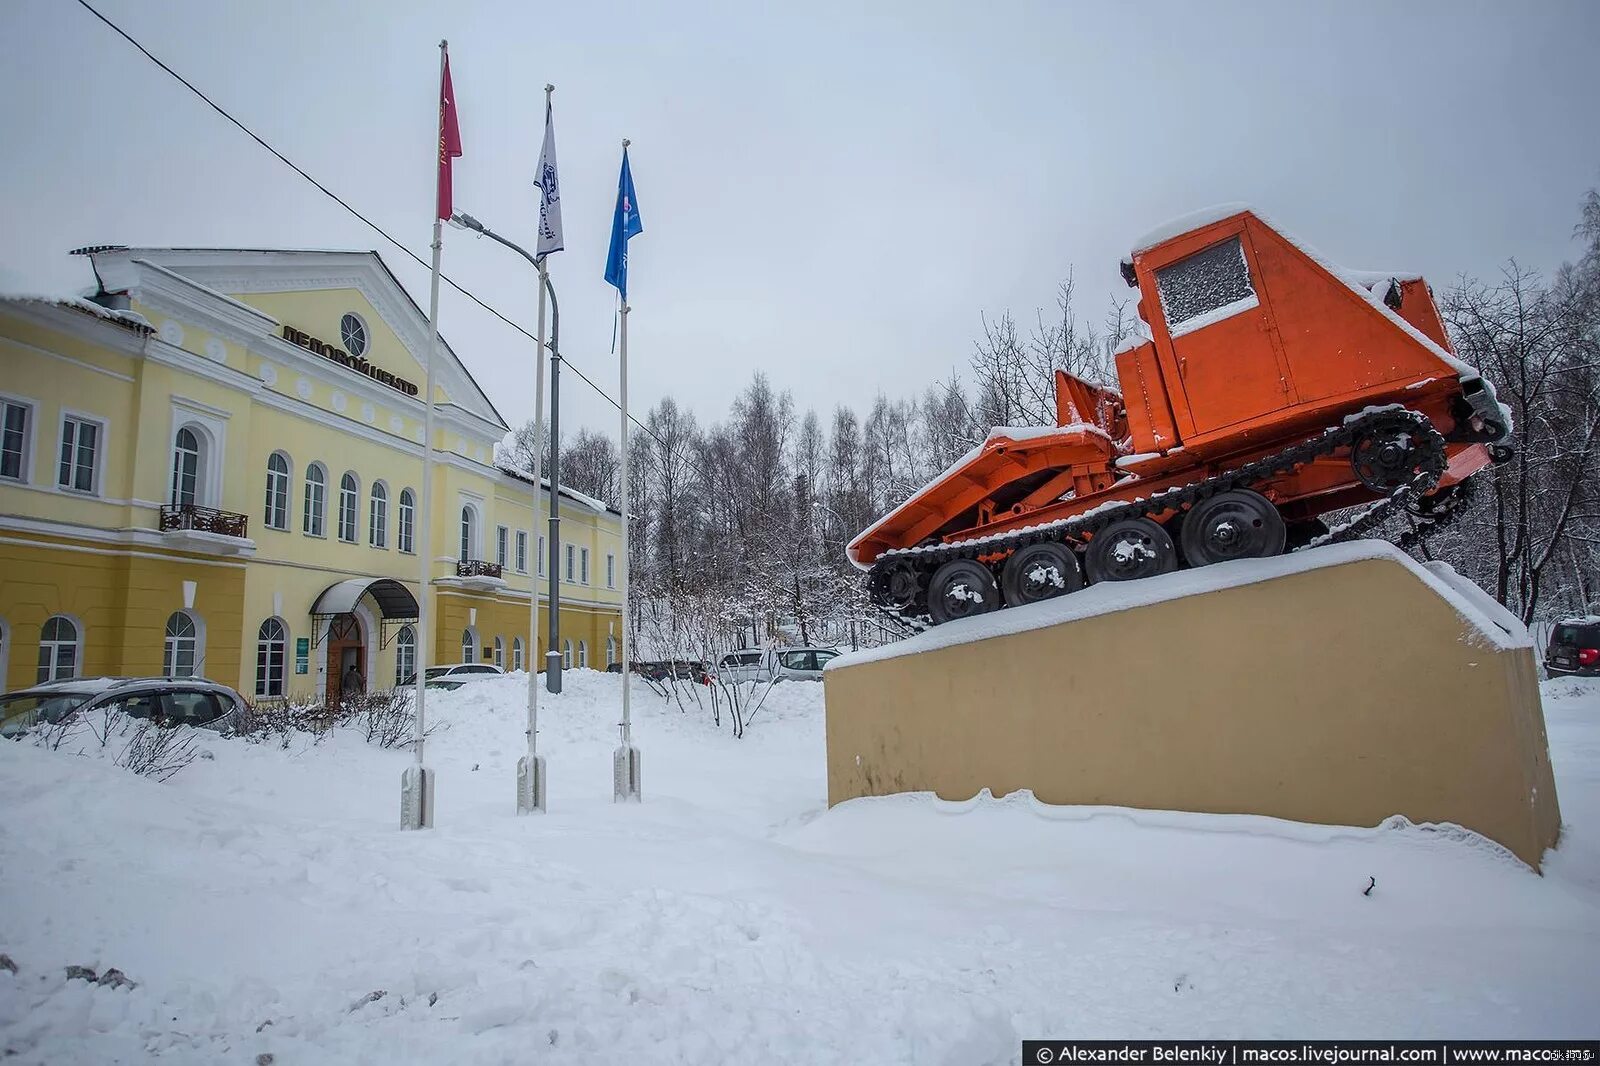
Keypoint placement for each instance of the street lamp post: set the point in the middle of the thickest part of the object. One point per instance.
(531, 780)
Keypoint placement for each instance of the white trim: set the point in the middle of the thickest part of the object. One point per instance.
(127, 537)
(199, 624)
(213, 431)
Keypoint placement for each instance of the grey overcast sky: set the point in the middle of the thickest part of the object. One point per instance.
(831, 193)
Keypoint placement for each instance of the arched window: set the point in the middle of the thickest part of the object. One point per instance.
(405, 655)
(499, 653)
(566, 655)
(516, 653)
(611, 650)
(583, 654)
(469, 646)
(349, 505)
(469, 532)
(277, 516)
(60, 649)
(272, 642)
(186, 468)
(408, 511)
(314, 523)
(181, 653)
(378, 520)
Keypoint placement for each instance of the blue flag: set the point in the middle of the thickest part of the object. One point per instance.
(625, 224)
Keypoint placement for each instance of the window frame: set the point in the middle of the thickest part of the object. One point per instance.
(405, 654)
(566, 653)
(502, 545)
(96, 460)
(469, 645)
(611, 570)
(171, 644)
(518, 654)
(267, 501)
(378, 515)
(583, 655)
(354, 493)
(522, 551)
(53, 672)
(583, 566)
(25, 450)
(572, 559)
(471, 531)
(1162, 280)
(196, 475)
(320, 512)
(541, 557)
(264, 659)
(406, 522)
(366, 334)
(499, 652)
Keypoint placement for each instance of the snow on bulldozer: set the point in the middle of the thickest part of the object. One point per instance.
(1268, 388)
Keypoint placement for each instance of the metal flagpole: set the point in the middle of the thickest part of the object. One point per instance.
(625, 762)
(531, 782)
(416, 784)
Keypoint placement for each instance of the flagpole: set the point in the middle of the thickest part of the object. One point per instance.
(416, 784)
(625, 764)
(531, 782)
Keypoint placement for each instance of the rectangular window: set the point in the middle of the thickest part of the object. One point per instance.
(572, 557)
(611, 571)
(80, 446)
(522, 551)
(583, 573)
(542, 557)
(500, 537)
(1206, 287)
(14, 426)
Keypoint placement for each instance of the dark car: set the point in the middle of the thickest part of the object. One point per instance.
(660, 671)
(163, 700)
(1574, 649)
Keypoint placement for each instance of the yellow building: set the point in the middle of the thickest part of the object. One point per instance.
(215, 467)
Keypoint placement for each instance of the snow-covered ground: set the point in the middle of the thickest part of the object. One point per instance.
(258, 898)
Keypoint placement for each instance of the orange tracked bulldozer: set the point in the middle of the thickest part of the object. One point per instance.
(1271, 388)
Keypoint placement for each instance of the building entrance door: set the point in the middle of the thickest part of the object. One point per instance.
(347, 649)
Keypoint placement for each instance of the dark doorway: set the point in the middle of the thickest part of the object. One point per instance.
(347, 648)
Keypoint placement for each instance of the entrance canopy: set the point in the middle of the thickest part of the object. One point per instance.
(395, 603)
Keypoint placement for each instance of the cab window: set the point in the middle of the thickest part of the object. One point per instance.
(190, 707)
(1204, 282)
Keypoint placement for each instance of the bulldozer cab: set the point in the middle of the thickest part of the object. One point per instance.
(1251, 331)
(1221, 358)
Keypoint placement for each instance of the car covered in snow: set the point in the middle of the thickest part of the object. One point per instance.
(1574, 648)
(164, 700)
(452, 676)
(774, 664)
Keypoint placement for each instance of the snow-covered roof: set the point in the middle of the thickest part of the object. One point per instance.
(1496, 626)
(1184, 223)
(127, 319)
(524, 474)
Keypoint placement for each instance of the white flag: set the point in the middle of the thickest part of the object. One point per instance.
(549, 192)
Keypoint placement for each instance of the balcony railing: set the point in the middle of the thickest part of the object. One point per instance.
(187, 516)
(477, 568)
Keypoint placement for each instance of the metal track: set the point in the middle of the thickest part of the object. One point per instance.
(1429, 450)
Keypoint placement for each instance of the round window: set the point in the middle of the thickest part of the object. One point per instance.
(354, 334)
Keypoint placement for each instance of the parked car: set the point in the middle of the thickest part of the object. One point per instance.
(774, 664)
(802, 664)
(451, 676)
(163, 700)
(1574, 649)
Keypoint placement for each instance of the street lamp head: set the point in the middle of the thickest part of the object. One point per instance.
(462, 220)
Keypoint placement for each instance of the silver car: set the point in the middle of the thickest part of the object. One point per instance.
(166, 701)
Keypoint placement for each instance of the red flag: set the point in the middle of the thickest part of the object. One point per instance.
(449, 140)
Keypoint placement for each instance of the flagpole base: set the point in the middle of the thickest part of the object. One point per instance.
(531, 785)
(416, 798)
(625, 774)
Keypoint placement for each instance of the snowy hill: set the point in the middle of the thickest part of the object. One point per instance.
(260, 896)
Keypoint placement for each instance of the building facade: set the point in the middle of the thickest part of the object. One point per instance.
(214, 467)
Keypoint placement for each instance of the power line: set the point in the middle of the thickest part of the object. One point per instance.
(336, 198)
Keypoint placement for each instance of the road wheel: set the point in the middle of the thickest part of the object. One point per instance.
(1232, 525)
(1040, 572)
(1130, 549)
(961, 588)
